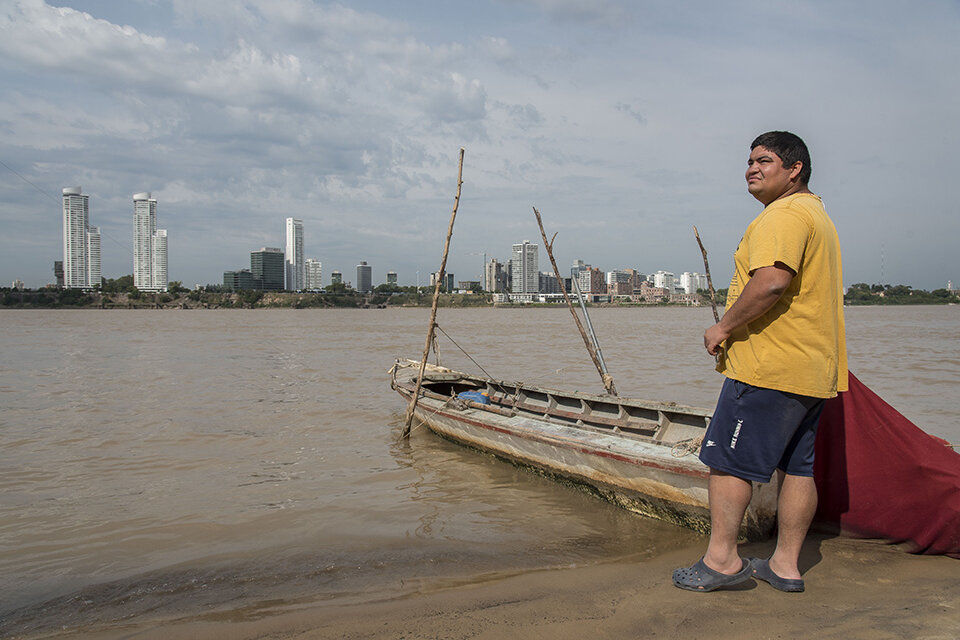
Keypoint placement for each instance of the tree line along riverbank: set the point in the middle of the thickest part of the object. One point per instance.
(179, 297)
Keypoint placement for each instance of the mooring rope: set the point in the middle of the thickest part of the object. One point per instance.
(516, 396)
(686, 447)
(423, 421)
(457, 345)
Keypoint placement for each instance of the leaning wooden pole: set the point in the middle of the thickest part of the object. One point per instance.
(433, 308)
(706, 267)
(604, 376)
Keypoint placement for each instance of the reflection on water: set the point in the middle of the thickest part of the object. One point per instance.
(171, 462)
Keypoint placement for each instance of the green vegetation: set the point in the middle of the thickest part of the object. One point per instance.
(121, 294)
(47, 298)
(123, 284)
(864, 294)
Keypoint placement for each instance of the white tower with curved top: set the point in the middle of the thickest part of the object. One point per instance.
(149, 245)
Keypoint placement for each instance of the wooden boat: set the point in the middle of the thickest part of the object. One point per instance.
(638, 454)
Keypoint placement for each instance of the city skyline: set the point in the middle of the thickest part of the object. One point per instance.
(150, 260)
(235, 115)
(150, 253)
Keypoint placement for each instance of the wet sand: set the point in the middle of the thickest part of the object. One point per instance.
(855, 589)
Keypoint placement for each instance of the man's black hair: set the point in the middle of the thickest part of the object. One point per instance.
(789, 147)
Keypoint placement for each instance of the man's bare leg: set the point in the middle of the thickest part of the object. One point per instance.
(795, 510)
(729, 497)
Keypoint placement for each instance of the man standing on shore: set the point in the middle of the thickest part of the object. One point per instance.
(781, 346)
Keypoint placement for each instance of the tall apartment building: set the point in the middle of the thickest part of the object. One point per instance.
(266, 267)
(149, 245)
(312, 274)
(81, 242)
(691, 281)
(392, 278)
(549, 282)
(623, 282)
(447, 284)
(592, 280)
(578, 267)
(495, 276)
(336, 277)
(93, 256)
(160, 279)
(294, 267)
(364, 277)
(526, 268)
(664, 280)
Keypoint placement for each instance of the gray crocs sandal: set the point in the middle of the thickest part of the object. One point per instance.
(761, 569)
(700, 577)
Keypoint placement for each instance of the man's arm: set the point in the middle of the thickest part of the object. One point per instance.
(763, 290)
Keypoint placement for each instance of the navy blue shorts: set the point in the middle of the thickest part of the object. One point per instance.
(755, 431)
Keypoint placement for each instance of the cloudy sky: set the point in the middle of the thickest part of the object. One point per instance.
(624, 123)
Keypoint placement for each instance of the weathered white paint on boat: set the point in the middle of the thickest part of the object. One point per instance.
(637, 472)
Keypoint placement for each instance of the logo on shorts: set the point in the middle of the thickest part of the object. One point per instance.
(710, 443)
(736, 434)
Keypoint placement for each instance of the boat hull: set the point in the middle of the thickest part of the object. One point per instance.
(642, 476)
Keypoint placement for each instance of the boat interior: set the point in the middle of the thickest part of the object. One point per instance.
(659, 422)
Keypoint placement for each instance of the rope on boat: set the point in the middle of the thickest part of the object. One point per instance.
(436, 411)
(516, 396)
(518, 385)
(440, 329)
(686, 447)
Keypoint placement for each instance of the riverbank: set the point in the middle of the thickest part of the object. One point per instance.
(856, 589)
(76, 299)
(249, 299)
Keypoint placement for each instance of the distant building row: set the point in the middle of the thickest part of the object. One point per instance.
(80, 268)
(520, 279)
(273, 269)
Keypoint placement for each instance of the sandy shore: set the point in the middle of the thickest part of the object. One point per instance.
(855, 589)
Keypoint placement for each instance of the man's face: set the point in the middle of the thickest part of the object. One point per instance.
(767, 178)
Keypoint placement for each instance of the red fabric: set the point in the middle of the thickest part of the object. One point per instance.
(879, 476)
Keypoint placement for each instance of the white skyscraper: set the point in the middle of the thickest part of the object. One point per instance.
(81, 242)
(93, 256)
(159, 249)
(312, 274)
(294, 271)
(525, 268)
(149, 245)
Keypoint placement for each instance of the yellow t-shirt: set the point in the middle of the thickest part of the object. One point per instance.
(799, 344)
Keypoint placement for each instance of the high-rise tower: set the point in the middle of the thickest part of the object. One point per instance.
(149, 245)
(526, 273)
(76, 240)
(266, 267)
(294, 266)
(93, 256)
(312, 274)
(364, 277)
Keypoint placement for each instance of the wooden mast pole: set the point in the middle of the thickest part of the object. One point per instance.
(433, 307)
(604, 376)
(706, 267)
